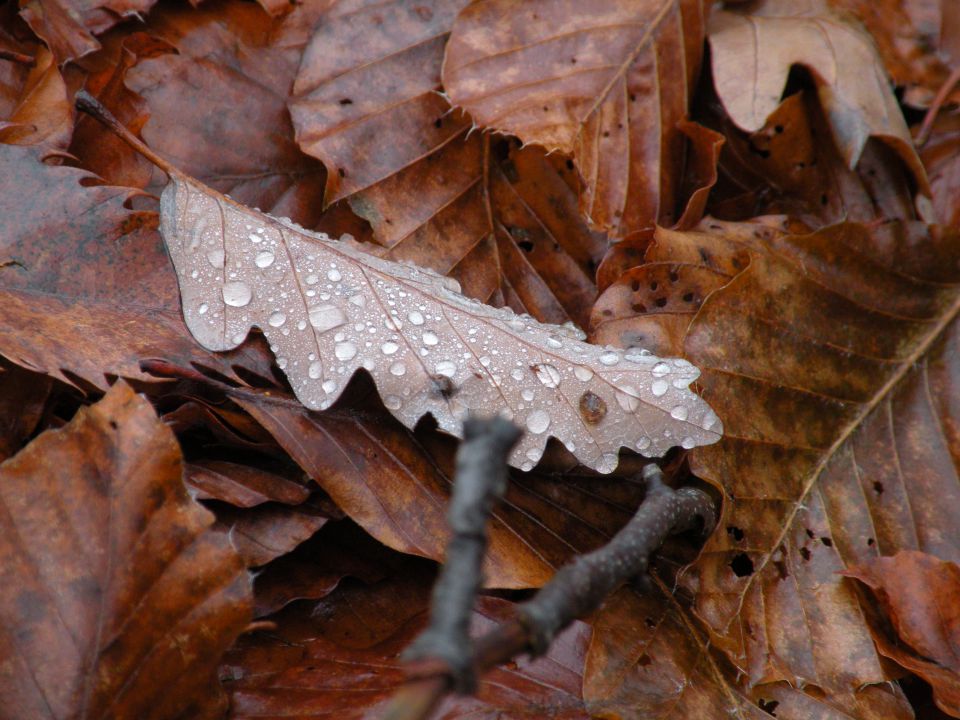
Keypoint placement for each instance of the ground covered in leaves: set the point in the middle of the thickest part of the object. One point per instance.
(768, 190)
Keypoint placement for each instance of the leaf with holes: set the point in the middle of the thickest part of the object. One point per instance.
(329, 309)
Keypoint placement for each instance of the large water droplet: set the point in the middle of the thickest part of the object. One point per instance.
(447, 368)
(315, 370)
(345, 350)
(710, 419)
(334, 275)
(553, 342)
(627, 398)
(688, 443)
(392, 402)
(430, 338)
(312, 279)
(277, 319)
(640, 356)
(534, 454)
(609, 358)
(203, 308)
(216, 258)
(548, 375)
(516, 374)
(679, 412)
(527, 394)
(415, 317)
(538, 421)
(583, 373)
(237, 294)
(607, 463)
(327, 317)
(264, 259)
(643, 443)
(398, 369)
(329, 386)
(389, 348)
(660, 369)
(659, 387)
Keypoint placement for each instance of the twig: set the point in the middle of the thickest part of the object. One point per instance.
(927, 126)
(576, 590)
(480, 480)
(16, 57)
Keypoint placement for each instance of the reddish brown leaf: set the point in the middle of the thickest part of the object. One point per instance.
(919, 594)
(339, 658)
(752, 53)
(941, 155)
(23, 396)
(497, 219)
(116, 598)
(75, 258)
(43, 115)
(241, 485)
(606, 83)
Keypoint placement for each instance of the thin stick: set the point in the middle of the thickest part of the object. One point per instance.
(16, 57)
(924, 133)
(576, 590)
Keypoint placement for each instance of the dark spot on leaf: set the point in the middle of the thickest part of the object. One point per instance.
(878, 487)
(871, 542)
(113, 424)
(525, 245)
(443, 385)
(592, 407)
(648, 621)
(741, 565)
(654, 286)
(573, 61)
(606, 133)
(438, 123)
(827, 541)
(688, 297)
(341, 172)
(639, 308)
(735, 532)
(346, 101)
(778, 129)
(660, 302)
(674, 276)
(810, 533)
(569, 164)
(823, 199)
(805, 553)
(635, 285)
(644, 660)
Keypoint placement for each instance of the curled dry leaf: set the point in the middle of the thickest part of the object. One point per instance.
(752, 53)
(605, 82)
(117, 599)
(919, 595)
(329, 309)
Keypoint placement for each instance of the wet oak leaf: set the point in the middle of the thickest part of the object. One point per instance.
(918, 594)
(329, 308)
(502, 221)
(43, 115)
(831, 359)
(117, 599)
(753, 51)
(606, 83)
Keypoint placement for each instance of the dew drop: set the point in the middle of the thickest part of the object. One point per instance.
(195, 274)
(239, 338)
(554, 343)
(315, 370)
(534, 454)
(681, 382)
(660, 369)
(237, 294)
(538, 421)
(643, 443)
(327, 317)
(359, 299)
(255, 238)
(709, 420)
(627, 398)
(277, 319)
(582, 373)
(302, 325)
(688, 443)
(447, 368)
(527, 395)
(392, 402)
(640, 356)
(334, 275)
(216, 258)
(548, 375)
(415, 317)
(679, 412)
(485, 361)
(516, 374)
(389, 348)
(592, 407)
(345, 350)
(203, 308)
(398, 369)
(329, 386)
(607, 463)
(430, 338)
(609, 358)
(659, 387)
(264, 259)
(282, 363)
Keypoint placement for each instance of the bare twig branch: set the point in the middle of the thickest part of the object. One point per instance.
(16, 57)
(576, 590)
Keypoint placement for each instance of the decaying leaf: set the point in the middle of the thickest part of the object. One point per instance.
(919, 595)
(605, 82)
(116, 597)
(752, 53)
(329, 309)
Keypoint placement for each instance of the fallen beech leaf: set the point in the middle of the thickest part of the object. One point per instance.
(268, 531)
(919, 594)
(73, 257)
(604, 82)
(831, 358)
(752, 53)
(328, 309)
(116, 599)
(340, 657)
(43, 114)
(241, 485)
(502, 221)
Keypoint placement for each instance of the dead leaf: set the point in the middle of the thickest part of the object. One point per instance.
(918, 593)
(75, 257)
(242, 485)
(752, 53)
(606, 83)
(268, 531)
(830, 360)
(328, 309)
(502, 221)
(117, 599)
(23, 397)
(941, 155)
(309, 666)
(43, 114)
